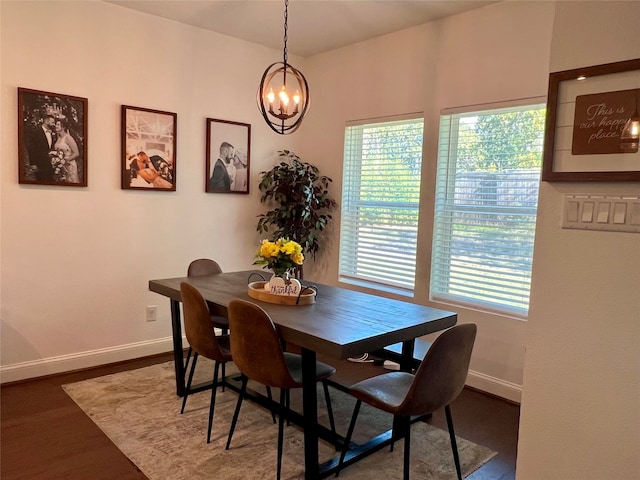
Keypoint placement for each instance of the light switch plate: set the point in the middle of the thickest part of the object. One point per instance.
(613, 213)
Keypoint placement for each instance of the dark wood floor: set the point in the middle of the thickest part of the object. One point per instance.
(44, 435)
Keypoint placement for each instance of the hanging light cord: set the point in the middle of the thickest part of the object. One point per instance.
(286, 17)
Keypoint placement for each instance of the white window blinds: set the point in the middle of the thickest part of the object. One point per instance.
(486, 201)
(380, 203)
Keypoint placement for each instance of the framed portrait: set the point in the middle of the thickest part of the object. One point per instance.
(228, 156)
(148, 149)
(587, 111)
(52, 138)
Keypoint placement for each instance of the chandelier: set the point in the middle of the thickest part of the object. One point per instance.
(283, 95)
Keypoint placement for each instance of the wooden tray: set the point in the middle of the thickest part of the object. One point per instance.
(256, 290)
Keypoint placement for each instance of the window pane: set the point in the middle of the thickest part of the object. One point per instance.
(380, 202)
(486, 201)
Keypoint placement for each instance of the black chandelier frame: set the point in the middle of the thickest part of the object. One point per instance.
(280, 122)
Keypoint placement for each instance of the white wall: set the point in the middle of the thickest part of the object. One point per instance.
(580, 417)
(75, 262)
(492, 54)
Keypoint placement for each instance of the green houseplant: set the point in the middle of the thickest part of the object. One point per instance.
(301, 202)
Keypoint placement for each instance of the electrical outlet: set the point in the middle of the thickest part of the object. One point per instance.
(152, 313)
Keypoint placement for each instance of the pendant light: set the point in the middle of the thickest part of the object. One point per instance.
(630, 136)
(283, 111)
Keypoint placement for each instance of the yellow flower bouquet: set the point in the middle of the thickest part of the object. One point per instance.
(279, 256)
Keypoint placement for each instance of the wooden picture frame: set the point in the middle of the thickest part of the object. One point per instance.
(52, 138)
(148, 149)
(589, 106)
(228, 156)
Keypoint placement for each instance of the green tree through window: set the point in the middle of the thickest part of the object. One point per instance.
(496, 143)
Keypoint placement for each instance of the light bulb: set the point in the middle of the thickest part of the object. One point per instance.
(271, 96)
(631, 128)
(630, 136)
(296, 97)
(284, 97)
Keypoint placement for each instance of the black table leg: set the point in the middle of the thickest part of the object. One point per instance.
(406, 365)
(178, 355)
(310, 412)
(406, 362)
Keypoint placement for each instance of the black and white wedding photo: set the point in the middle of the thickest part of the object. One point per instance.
(52, 135)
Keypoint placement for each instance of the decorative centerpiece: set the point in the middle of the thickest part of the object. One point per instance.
(280, 257)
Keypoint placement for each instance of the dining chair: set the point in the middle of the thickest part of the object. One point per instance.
(203, 341)
(197, 268)
(206, 266)
(258, 353)
(437, 382)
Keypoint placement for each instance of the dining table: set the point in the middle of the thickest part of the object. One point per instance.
(342, 323)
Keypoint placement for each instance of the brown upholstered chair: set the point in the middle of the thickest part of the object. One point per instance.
(197, 268)
(203, 341)
(437, 382)
(258, 354)
(206, 266)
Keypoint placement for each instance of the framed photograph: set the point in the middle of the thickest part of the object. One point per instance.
(587, 110)
(228, 156)
(148, 149)
(52, 138)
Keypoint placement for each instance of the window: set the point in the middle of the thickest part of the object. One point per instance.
(489, 166)
(380, 203)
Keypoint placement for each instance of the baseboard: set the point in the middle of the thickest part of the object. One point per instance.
(93, 358)
(495, 386)
(77, 361)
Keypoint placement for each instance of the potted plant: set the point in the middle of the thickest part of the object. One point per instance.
(301, 201)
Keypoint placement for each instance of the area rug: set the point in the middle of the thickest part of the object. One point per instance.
(140, 412)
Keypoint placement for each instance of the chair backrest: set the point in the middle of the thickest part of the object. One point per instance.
(203, 266)
(197, 323)
(442, 374)
(256, 347)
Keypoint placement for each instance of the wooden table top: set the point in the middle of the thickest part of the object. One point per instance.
(341, 323)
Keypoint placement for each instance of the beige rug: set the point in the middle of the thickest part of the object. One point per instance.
(140, 412)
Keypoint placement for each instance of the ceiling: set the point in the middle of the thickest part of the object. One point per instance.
(315, 26)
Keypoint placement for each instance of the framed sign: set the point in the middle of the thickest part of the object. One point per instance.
(52, 138)
(148, 149)
(228, 156)
(587, 109)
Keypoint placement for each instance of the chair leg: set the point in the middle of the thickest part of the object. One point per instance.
(273, 413)
(243, 390)
(224, 375)
(283, 401)
(347, 440)
(287, 405)
(407, 447)
(332, 422)
(187, 391)
(212, 405)
(395, 428)
(454, 445)
(186, 363)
